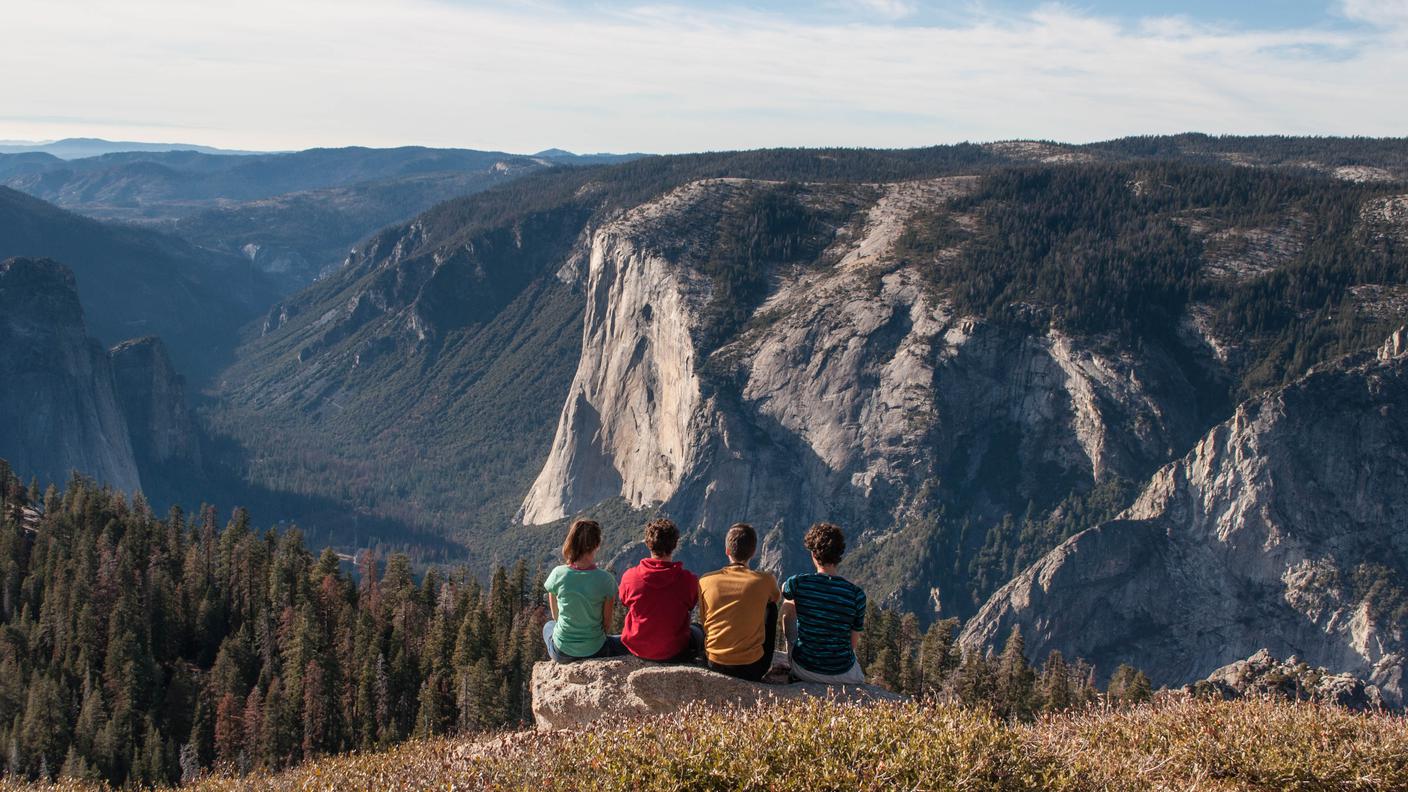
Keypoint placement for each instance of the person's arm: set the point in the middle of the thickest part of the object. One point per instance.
(789, 621)
(552, 605)
(858, 624)
(608, 607)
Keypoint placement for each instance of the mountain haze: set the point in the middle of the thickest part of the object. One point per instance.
(134, 282)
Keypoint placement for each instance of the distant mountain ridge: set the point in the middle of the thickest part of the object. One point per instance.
(76, 148)
(136, 282)
(293, 215)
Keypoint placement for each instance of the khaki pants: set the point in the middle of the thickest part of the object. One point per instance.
(855, 676)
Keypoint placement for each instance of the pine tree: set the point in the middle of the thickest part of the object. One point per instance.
(938, 656)
(1129, 686)
(1054, 689)
(1015, 678)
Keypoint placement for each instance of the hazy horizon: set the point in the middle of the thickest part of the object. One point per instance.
(690, 76)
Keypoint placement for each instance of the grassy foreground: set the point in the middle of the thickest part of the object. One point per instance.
(1175, 745)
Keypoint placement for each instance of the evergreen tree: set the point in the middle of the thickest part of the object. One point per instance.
(1015, 679)
(1129, 686)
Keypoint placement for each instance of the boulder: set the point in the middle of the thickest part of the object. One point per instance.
(573, 695)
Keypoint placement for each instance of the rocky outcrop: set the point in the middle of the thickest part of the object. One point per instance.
(57, 402)
(152, 397)
(1264, 675)
(1281, 529)
(627, 427)
(853, 392)
(576, 695)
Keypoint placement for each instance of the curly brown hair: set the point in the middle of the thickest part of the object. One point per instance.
(826, 543)
(583, 537)
(661, 536)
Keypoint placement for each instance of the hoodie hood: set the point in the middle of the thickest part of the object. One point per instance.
(660, 574)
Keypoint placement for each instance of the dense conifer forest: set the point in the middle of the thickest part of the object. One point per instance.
(136, 648)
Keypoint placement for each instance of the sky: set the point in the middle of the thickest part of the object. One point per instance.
(524, 75)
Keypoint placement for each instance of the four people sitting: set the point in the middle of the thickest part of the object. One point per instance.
(738, 607)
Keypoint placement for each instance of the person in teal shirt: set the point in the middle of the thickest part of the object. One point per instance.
(581, 598)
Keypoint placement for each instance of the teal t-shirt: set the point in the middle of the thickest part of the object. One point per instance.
(580, 597)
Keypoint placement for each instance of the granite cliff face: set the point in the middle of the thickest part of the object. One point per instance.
(854, 393)
(1282, 529)
(152, 397)
(57, 402)
(917, 345)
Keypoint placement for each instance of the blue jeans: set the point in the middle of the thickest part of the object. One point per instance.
(611, 648)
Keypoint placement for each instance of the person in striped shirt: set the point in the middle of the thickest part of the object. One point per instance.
(823, 614)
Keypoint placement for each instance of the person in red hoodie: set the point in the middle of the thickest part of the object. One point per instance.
(659, 594)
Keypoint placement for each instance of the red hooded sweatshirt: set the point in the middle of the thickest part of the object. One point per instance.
(658, 596)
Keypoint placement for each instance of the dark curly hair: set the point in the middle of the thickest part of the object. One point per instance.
(661, 536)
(826, 543)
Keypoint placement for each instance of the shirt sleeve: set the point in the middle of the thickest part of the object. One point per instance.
(624, 592)
(774, 594)
(554, 579)
(692, 590)
(859, 623)
(789, 588)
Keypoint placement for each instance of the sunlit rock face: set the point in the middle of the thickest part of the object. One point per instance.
(1276, 531)
(854, 393)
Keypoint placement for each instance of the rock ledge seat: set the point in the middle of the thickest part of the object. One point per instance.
(574, 695)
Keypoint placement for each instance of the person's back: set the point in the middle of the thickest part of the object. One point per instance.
(659, 594)
(581, 598)
(738, 611)
(581, 595)
(825, 614)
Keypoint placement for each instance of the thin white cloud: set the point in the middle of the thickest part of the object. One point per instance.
(1384, 13)
(883, 9)
(279, 74)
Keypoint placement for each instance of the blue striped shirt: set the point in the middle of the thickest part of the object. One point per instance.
(828, 609)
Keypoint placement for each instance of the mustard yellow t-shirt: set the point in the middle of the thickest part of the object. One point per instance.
(733, 605)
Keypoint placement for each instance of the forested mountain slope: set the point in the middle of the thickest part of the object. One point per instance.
(963, 356)
(133, 282)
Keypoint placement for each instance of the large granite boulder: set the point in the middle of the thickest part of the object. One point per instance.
(574, 695)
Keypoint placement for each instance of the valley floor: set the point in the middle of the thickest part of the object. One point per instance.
(1173, 745)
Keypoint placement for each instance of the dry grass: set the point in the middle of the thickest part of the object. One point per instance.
(1176, 745)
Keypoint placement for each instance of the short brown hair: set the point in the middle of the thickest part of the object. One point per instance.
(826, 543)
(661, 536)
(741, 541)
(583, 537)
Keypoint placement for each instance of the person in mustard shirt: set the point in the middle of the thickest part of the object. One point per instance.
(738, 611)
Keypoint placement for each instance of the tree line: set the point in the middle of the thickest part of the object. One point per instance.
(147, 650)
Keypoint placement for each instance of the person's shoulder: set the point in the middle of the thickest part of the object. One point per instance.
(760, 576)
(557, 573)
(793, 581)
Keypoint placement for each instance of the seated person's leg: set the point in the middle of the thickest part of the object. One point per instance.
(611, 648)
(553, 653)
(854, 676)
